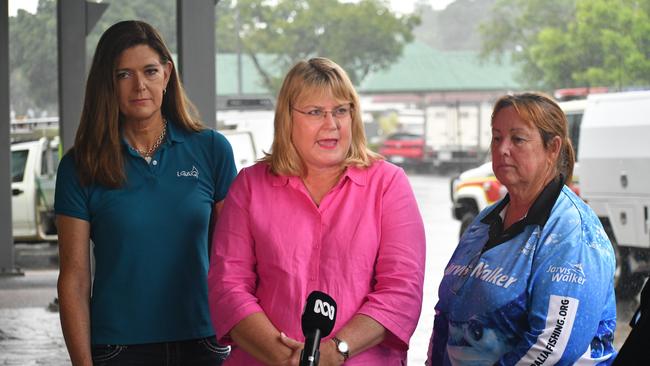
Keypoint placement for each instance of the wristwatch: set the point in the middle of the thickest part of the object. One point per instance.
(342, 347)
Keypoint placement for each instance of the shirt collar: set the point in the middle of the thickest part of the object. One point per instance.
(174, 132)
(538, 213)
(358, 176)
(277, 180)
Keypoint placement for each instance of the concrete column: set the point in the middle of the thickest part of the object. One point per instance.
(196, 55)
(71, 29)
(6, 235)
(75, 19)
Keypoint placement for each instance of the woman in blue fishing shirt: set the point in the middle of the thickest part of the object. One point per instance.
(142, 183)
(531, 281)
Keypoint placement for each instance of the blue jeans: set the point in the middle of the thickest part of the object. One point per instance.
(195, 352)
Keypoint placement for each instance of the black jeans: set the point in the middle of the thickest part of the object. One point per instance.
(195, 352)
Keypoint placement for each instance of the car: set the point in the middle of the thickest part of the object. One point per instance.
(407, 150)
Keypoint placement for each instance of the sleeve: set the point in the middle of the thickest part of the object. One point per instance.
(232, 277)
(396, 300)
(571, 296)
(224, 170)
(70, 199)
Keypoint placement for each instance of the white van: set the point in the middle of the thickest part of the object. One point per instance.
(614, 172)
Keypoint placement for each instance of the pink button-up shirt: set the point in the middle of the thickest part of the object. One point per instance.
(364, 246)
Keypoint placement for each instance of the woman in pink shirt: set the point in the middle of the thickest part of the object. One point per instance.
(320, 212)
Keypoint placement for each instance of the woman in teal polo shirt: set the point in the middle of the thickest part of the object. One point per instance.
(143, 182)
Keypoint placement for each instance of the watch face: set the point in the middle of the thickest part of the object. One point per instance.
(343, 347)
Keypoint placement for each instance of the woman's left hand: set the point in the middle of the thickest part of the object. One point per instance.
(329, 356)
(296, 348)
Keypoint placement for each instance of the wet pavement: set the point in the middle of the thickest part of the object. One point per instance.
(31, 336)
(30, 332)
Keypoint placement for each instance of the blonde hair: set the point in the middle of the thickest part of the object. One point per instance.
(542, 112)
(98, 151)
(306, 77)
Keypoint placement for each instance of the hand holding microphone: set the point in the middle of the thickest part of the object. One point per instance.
(318, 319)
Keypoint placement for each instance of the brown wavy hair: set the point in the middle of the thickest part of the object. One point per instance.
(316, 75)
(98, 151)
(541, 111)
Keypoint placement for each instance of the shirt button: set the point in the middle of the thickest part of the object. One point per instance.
(155, 162)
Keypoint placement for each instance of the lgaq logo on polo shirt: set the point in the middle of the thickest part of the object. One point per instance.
(188, 173)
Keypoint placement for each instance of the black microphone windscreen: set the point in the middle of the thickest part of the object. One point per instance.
(319, 313)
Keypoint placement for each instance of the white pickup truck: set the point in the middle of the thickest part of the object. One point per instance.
(615, 178)
(33, 174)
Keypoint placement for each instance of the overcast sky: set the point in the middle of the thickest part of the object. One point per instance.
(406, 6)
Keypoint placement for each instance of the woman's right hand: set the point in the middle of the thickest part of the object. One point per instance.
(257, 336)
(296, 348)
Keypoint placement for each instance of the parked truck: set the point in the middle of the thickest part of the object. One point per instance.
(614, 174)
(446, 136)
(33, 175)
(459, 133)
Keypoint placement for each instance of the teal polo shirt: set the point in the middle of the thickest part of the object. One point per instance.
(151, 238)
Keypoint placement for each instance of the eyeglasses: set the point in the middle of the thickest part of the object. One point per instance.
(316, 114)
(462, 278)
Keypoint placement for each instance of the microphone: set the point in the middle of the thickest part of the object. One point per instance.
(318, 320)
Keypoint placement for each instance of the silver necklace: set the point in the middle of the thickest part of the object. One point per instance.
(148, 153)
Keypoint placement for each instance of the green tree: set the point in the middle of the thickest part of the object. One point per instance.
(33, 58)
(513, 28)
(161, 14)
(361, 37)
(33, 46)
(591, 43)
(611, 41)
(454, 28)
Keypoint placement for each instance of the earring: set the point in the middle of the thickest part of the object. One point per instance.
(165, 91)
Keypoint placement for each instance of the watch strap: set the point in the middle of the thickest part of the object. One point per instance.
(346, 353)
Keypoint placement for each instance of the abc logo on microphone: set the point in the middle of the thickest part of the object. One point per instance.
(324, 308)
(319, 313)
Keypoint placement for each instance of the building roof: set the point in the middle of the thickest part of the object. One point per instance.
(420, 69)
(424, 69)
